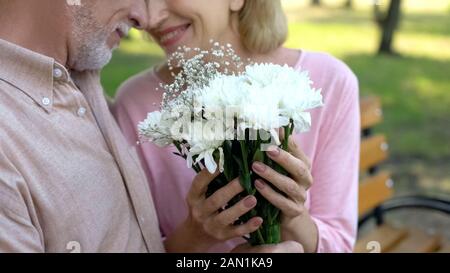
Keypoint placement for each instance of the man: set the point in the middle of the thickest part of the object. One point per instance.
(68, 180)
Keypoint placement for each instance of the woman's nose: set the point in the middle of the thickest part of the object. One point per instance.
(157, 13)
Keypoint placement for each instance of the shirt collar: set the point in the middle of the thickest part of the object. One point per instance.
(31, 72)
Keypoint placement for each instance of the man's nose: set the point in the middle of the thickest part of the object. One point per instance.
(138, 14)
(157, 13)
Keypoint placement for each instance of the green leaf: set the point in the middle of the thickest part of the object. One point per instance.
(229, 167)
(246, 182)
(258, 156)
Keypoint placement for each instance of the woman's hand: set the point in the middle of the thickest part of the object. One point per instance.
(205, 226)
(297, 225)
(283, 247)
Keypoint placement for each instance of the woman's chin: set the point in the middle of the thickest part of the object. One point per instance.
(174, 48)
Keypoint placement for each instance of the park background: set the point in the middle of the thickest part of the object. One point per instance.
(413, 81)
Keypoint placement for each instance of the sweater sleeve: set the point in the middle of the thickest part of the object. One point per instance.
(334, 194)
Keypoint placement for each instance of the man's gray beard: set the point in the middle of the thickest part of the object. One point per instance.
(92, 51)
(93, 54)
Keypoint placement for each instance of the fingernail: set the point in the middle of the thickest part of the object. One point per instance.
(259, 184)
(273, 151)
(250, 201)
(257, 221)
(259, 167)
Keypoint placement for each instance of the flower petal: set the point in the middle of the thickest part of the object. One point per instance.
(210, 163)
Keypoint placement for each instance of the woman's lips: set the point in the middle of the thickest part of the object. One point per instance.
(171, 36)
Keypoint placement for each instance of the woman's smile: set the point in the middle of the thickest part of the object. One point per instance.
(171, 36)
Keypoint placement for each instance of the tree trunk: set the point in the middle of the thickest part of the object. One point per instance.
(388, 23)
(315, 3)
(348, 4)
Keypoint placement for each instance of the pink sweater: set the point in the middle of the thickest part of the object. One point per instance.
(332, 145)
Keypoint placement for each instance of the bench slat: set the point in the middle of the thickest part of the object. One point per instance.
(444, 249)
(373, 191)
(371, 112)
(385, 235)
(374, 150)
(376, 189)
(417, 242)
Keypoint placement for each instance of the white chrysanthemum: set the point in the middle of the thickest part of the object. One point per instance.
(203, 141)
(294, 90)
(265, 97)
(264, 74)
(259, 110)
(156, 129)
(221, 94)
(206, 153)
(298, 98)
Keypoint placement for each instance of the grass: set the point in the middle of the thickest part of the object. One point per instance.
(135, 54)
(415, 87)
(123, 66)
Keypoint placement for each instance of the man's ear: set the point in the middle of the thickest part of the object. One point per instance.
(236, 5)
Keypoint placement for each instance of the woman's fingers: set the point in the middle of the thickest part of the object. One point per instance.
(283, 247)
(224, 233)
(229, 216)
(222, 196)
(252, 225)
(297, 152)
(282, 182)
(298, 170)
(289, 207)
(200, 184)
(221, 226)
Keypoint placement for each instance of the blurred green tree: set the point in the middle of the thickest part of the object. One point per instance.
(348, 4)
(315, 2)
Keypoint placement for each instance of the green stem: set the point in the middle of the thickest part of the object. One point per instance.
(288, 130)
(244, 157)
(260, 237)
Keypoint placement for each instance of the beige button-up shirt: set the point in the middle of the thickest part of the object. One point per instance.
(68, 180)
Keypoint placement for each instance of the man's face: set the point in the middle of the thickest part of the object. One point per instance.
(97, 28)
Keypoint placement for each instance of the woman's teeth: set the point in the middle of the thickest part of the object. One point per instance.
(171, 35)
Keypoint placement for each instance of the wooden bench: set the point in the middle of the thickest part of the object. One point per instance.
(376, 195)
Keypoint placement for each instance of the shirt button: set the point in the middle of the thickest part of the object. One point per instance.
(142, 219)
(46, 101)
(81, 111)
(57, 73)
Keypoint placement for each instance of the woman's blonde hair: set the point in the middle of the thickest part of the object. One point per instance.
(262, 25)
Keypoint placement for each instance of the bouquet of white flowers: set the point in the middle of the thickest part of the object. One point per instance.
(223, 115)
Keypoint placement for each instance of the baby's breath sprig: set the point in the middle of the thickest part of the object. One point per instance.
(194, 68)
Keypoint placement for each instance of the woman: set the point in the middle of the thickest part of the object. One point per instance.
(320, 210)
